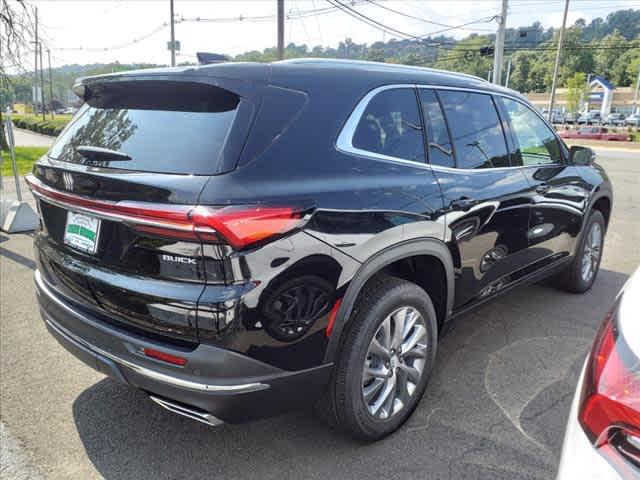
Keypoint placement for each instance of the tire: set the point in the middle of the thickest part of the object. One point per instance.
(573, 279)
(344, 405)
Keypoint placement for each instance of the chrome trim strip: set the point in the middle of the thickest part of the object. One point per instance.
(144, 371)
(193, 414)
(345, 138)
(115, 217)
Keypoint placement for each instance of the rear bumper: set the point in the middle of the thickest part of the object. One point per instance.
(229, 386)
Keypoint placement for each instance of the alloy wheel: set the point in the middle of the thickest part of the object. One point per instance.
(394, 363)
(592, 252)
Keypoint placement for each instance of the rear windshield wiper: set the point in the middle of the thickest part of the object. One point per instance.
(98, 154)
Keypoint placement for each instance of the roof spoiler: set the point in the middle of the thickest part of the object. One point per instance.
(205, 58)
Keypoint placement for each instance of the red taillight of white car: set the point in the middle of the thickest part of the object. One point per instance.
(610, 403)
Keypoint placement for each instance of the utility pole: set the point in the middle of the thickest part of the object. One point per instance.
(552, 99)
(50, 82)
(499, 50)
(635, 95)
(506, 82)
(35, 68)
(173, 36)
(280, 29)
(42, 82)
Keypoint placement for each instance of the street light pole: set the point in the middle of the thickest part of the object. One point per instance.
(50, 82)
(35, 68)
(499, 49)
(41, 82)
(552, 99)
(280, 29)
(635, 94)
(173, 36)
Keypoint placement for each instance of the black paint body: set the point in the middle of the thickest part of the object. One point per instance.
(366, 214)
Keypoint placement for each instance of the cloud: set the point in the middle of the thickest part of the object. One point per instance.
(555, 19)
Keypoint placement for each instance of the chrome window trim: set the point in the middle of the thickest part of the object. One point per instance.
(344, 143)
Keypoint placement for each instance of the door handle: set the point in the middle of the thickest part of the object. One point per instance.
(542, 189)
(462, 203)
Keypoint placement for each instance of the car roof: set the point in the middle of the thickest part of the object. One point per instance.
(307, 73)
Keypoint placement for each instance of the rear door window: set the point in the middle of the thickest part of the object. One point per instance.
(166, 127)
(391, 126)
(476, 131)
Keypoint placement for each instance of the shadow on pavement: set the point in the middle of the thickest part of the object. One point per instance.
(495, 408)
(16, 257)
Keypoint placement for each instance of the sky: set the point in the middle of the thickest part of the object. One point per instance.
(93, 31)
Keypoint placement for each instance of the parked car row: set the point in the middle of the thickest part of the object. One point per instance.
(596, 133)
(592, 117)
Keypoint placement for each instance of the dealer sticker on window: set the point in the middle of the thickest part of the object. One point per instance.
(82, 232)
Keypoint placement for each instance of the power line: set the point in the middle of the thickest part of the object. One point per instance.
(407, 36)
(398, 12)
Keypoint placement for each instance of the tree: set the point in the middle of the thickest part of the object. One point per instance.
(606, 57)
(15, 25)
(576, 91)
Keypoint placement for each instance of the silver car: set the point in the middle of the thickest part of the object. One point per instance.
(602, 440)
(633, 120)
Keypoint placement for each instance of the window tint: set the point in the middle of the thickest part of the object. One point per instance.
(477, 134)
(390, 125)
(183, 130)
(440, 149)
(535, 142)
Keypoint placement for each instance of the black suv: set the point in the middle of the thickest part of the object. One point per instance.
(239, 240)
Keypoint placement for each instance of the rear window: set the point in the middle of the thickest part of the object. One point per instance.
(163, 127)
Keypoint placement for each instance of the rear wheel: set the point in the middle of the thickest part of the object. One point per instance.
(385, 361)
(581, 273)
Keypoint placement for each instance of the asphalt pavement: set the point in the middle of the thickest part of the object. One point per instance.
(495, 408)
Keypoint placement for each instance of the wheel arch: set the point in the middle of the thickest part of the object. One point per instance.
(427, 247)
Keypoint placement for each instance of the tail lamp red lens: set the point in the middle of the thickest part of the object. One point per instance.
(610, 402)
(165, 357)
(240, 225)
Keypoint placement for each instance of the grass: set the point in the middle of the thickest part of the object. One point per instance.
(25, 158)
(35, 123)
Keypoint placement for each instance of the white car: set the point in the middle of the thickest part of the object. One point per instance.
(602, 440)
(633, 120)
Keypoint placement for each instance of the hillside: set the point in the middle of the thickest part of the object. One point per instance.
(609, 47)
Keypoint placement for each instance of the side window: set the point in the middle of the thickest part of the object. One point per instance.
(440, 148)
(535, 142)
(390, 125)
(477, 134)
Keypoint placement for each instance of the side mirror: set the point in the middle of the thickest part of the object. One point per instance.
(581, 155)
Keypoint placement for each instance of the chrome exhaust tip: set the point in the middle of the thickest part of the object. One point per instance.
(190, 412)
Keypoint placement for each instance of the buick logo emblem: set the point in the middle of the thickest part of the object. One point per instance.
(67, 178)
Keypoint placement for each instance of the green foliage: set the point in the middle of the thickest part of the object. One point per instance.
(35, 123)
(25, 158)
(576, 91)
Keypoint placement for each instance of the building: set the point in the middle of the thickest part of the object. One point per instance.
(603, 96)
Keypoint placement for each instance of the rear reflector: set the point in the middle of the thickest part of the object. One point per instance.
(165, 357)
(332, 317)
(241, 225)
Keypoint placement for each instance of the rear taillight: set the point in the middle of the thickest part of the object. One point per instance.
(610, 403)
(240, 226)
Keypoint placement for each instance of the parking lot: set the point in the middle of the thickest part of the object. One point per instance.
(495, 408)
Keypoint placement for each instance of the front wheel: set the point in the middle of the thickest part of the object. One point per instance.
(581, 273)
(385, 360)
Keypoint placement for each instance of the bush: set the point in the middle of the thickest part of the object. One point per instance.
(35, 123)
